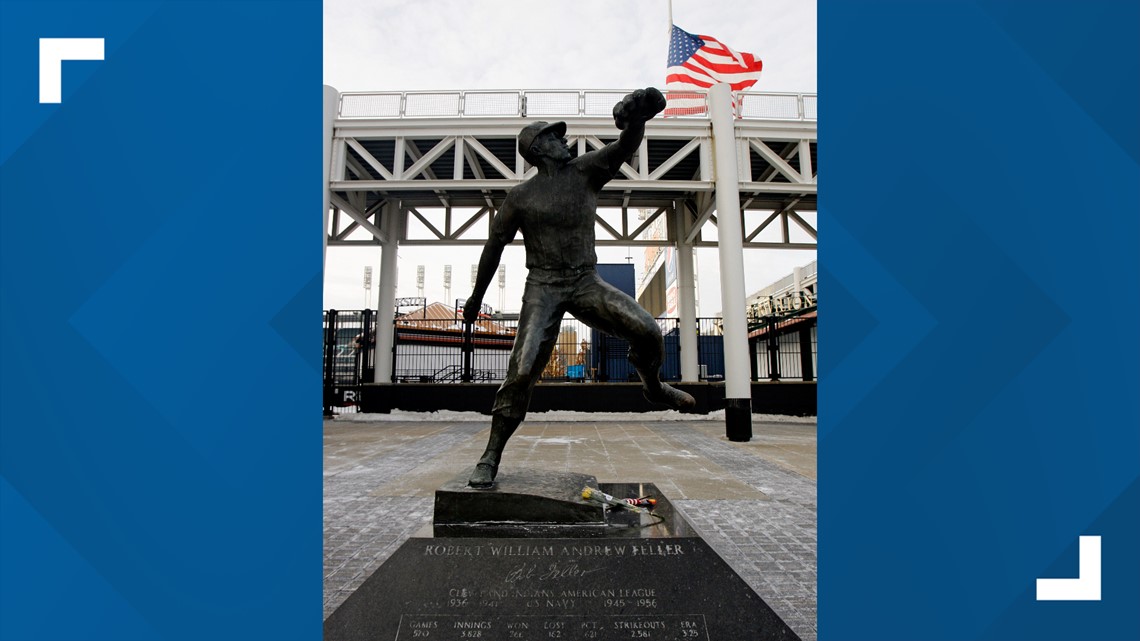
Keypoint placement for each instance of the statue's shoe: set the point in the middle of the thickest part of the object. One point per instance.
(671, 396)
(484, 476)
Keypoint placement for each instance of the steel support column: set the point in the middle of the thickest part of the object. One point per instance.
(687, 295)
(331, 101)
(730, 233)
(392, 224)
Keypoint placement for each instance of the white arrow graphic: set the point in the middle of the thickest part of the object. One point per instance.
(53, 51)
(1086, 587)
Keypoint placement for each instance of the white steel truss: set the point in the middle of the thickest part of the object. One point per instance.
(446, 160)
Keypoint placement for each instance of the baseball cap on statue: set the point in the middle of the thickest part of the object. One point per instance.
(534, 130)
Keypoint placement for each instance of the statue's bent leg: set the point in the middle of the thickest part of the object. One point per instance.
(606, 308)
(539, 322)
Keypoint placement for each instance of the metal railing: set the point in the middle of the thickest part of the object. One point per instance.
(561, 103)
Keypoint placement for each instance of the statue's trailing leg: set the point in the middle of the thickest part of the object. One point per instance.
(668, 395)
(656, 391)
(488, 466)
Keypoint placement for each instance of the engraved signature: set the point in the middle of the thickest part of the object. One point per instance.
(554, 571)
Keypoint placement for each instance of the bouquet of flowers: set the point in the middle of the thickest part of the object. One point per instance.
(633, 505)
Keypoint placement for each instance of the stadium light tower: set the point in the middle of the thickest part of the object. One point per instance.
(502, 287)
(447, 285)
(367, 286)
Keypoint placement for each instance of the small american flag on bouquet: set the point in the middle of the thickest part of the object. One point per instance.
(699, 62)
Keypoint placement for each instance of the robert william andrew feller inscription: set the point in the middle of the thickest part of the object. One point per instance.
(545, 592)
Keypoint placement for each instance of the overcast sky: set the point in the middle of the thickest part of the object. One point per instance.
(389, 45)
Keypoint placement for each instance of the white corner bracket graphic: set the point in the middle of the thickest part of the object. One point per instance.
(1086, 587)
(53, 51)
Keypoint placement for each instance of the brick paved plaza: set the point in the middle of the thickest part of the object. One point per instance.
(754, 502)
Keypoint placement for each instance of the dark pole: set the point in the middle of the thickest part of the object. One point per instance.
(773, 350)
(367, 349)
(468, 349)
(753, 348)
(700, 353)
(603, 358)
(330, 355)
(395, 343)
(805, 354)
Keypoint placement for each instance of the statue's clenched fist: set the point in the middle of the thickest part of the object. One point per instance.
(638, 107)
(471, 310)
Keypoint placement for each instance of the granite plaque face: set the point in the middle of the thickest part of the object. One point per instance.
(650, 578)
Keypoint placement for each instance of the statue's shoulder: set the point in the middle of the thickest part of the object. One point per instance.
(520, 192)
(587, 163)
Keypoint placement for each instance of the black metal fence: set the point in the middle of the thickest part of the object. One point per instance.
(435, 350)
(784, 348)
(710, 349)
(348, 354)
(441, 351)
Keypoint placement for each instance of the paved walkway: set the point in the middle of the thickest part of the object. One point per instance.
(754, 502)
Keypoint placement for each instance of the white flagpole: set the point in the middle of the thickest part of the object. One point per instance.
(668, 44)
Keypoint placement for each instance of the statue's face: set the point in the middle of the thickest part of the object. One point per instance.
(551, 146)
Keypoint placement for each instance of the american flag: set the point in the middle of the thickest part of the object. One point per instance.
(699, 62)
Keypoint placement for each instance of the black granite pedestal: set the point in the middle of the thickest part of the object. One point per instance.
(629, 576)
(521, 496)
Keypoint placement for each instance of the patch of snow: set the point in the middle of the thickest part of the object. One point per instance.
(557, 440)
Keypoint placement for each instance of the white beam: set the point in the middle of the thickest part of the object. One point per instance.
(762, 226)
(614, 185)
(628, 171)
(471, 221)
(398, 159)
(438, 234)
(428, 158)
(803, 224)
(344, 233)
(491, 158)
(705, 168)
(357, 169)
(370, 159)
(339, 155)
(647, 222)
(797, 189)
(702, 218)
(806, 169)
(457, 172)
(681, 154)
(613, 232)
(776, 161)
(359, 217)
(766, 245)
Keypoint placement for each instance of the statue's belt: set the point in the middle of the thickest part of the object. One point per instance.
(570, 272)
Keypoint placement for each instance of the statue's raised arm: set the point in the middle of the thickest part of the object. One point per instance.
(630, 116)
